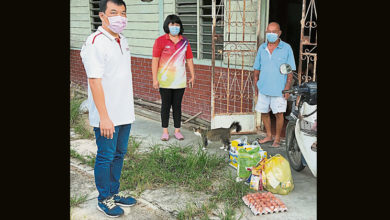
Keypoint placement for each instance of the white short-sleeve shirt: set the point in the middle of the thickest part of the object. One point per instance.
(108, 58)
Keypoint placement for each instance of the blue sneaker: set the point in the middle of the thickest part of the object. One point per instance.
(124, 200)
(109, 208)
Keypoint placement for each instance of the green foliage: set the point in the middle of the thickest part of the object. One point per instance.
(179, 166)
(76, 120)
(231, 192)
(88, 160)
(75, 110)
(77, 200)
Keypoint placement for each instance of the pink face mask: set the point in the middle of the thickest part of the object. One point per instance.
(117, 23)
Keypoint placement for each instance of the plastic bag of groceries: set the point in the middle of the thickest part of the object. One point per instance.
(278, 177)
(235, 145)
(248, 159)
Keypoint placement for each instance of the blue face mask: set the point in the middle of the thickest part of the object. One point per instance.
(174, 30)
(272, 37)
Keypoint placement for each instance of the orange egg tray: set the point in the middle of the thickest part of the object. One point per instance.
(264, 203)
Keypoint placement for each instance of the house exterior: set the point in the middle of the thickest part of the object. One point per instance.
(224, 87)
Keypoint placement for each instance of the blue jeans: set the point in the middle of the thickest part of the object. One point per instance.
(109, 160)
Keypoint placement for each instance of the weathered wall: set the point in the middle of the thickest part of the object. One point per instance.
(80, 24)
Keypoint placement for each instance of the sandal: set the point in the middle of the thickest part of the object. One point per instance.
(275, 144)
(179, 136)
(258, 141)
(165, 137)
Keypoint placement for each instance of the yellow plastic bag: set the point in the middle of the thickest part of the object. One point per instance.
(278, 177)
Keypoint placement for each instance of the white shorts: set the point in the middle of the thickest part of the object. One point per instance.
(265, 103)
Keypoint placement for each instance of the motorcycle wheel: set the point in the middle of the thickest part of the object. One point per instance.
(294, 155)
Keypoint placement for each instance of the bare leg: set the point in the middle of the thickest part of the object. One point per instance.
(165, 130)
(279, 127)
(265, 117)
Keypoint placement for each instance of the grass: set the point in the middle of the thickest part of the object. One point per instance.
(176, 166)
(228, 214)
(88, 160)
(76, 119)
(133, 145)
(185, 167)
(75, 110)
(181, 166)
(77, 200)
(192, 211)
(231, 192)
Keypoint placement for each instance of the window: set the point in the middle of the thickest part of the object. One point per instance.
(197, 20)
(95, 20)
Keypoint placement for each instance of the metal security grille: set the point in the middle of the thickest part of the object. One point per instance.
(308, 47)
(206, 22)
(233, 84)
(95, 20)
(232, 77)
(197, 21)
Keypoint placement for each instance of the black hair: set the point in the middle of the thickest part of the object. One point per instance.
(172, 19)
(103, 4)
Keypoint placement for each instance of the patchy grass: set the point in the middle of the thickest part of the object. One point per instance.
(75, 110)
(192, 211)
(81, 128)
(77, 121)
(228, 214)
(77, 200)
(231, 192)
(177, 166)
(181, 166)
(88, 160)
(133, 145)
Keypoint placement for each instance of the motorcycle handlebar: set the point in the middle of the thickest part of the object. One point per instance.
(288, 91)
(295, 90)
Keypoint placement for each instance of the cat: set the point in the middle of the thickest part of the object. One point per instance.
(217, 134)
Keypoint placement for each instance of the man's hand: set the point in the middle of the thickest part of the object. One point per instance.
(106, 125)
(256, 75)
(107, 128)
(288, 85)
(286, 95)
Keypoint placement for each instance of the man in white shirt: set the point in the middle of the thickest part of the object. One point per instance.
(106, 59)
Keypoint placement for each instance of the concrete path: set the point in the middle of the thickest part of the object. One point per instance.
(165, 203)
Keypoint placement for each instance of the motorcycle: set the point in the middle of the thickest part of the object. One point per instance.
(301, 130)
